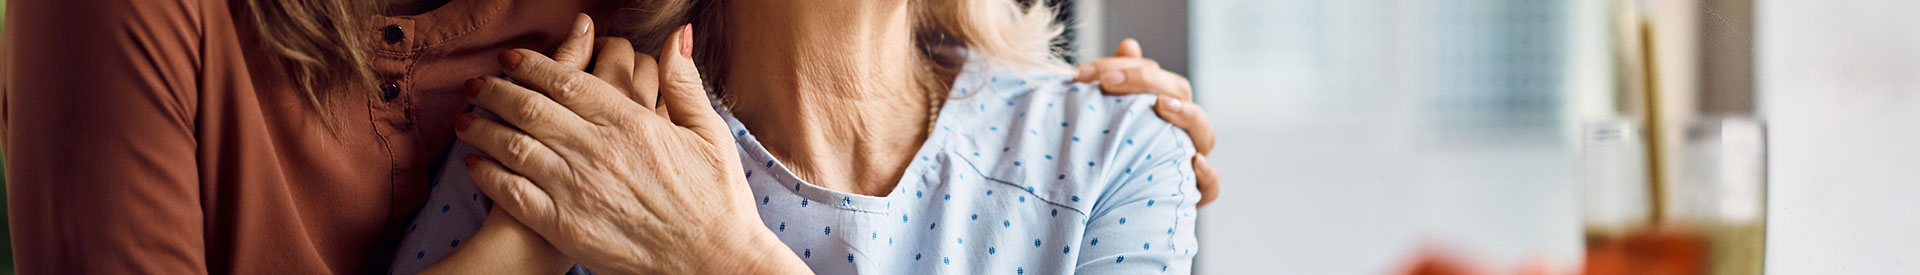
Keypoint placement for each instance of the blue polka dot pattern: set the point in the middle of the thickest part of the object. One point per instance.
(1072, 205)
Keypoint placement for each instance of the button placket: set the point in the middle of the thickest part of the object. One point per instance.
(391, 60)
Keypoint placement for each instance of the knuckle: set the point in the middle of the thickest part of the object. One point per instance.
(521, 150)
(567, 84)
(581, 82)
(619, 43)
(684, 78)
(527, 103)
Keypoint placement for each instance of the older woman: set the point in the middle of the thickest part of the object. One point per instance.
(250, 136)
(844, 145)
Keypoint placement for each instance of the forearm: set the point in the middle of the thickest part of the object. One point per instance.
(502, 246)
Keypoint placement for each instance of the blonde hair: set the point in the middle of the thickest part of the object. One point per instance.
(1003, 32)
(316, 44)
(1000, 31)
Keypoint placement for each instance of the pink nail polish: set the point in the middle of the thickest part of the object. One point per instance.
(462, 121)
(509, 60)
(686, 41)
(472, 87)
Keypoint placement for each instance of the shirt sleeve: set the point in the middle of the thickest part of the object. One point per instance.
(99, 136)
(1143, 222)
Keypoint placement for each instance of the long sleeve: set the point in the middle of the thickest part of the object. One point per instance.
(99, 122)
(1144, 223)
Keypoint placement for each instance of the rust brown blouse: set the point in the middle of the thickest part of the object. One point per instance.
(154, 137)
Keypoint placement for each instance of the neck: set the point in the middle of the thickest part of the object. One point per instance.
(836, 85)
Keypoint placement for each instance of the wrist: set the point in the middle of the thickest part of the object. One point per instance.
(755, 250)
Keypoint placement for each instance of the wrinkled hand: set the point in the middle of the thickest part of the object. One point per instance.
(1127, 72)
(607, 178)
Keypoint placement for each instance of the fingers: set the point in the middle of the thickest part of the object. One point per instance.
(578, 47)
(617, 64)
(583, 94)
(646, 75)
(681, 90)
(515, 150)
(1128, 48)
(1119, 75)
(510, 191)
(1189, 116)
(536, 114)
(1128, 72)
(646, 79)
(1207, 178)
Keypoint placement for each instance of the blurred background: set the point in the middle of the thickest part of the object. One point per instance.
(1356, 135)
(1359, 135)
(6, 262)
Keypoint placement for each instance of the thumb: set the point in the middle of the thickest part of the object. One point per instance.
(577, 50)
(1128, 48)
(681, 90)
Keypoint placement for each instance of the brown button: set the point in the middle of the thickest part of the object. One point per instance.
(393, 34)
(389, 90)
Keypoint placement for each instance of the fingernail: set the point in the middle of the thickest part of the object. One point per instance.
(461, 121)
(1085, 72)
(471, 159)
(509, 59)
(473, 87)
(686, 41)
(1111, 78)
(582, 24)
(1172, 104)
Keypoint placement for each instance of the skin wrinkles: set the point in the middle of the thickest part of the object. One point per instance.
(845, 102)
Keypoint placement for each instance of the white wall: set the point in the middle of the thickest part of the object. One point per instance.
(1355, 132)
(1840, 85)
(1332, 166)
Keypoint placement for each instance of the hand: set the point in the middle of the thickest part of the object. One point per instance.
(1127, 72)
(607, 178)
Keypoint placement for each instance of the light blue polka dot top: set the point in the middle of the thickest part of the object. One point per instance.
(1026, 173)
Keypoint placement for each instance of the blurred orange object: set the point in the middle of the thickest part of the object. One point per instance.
(1434, 261)
(1661, 252)
(1647, 253)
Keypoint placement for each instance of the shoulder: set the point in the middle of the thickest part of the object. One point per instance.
(1067, 142)
(73, 17)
